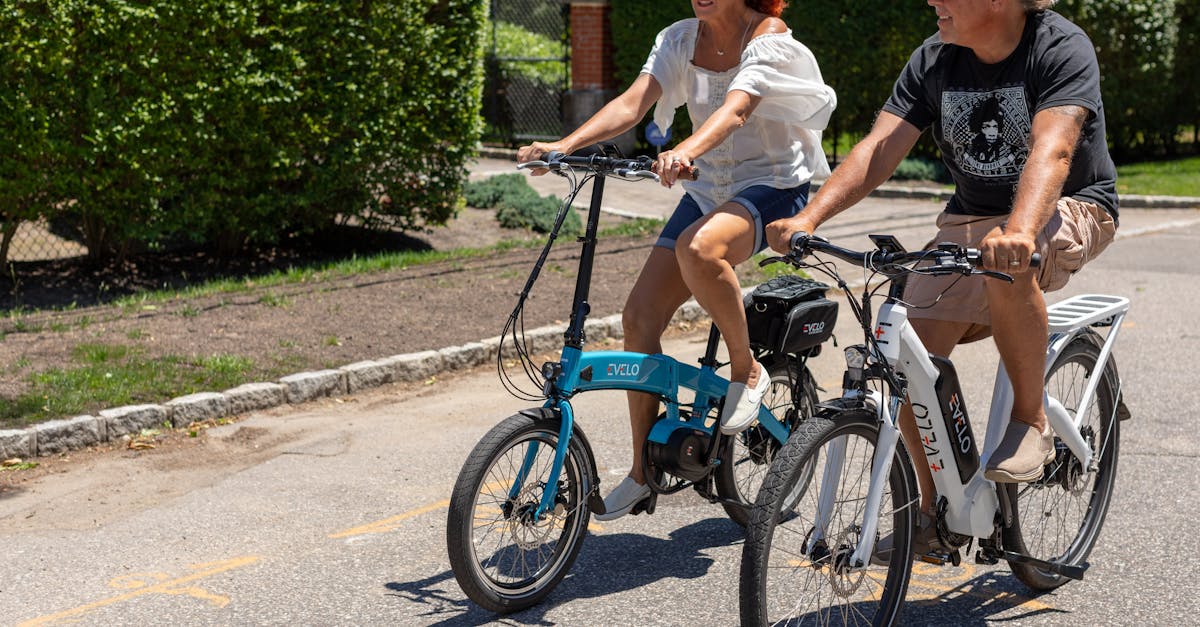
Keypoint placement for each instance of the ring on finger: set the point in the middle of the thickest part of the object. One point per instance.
(1014, 263)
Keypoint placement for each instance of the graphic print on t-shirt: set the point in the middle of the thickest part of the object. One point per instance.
(988, 130)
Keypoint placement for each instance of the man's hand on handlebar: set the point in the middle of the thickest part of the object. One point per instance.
(781, 232)
(1010, 253)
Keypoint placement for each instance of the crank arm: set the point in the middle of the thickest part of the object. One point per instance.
(1066, 570)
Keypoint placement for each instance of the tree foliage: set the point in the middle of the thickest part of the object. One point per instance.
(1148, 52)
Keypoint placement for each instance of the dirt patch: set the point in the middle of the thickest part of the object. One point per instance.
(324, 323)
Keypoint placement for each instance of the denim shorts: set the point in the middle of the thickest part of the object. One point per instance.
(765, 204)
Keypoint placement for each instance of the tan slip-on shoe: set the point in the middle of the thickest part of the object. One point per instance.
(1021, 455)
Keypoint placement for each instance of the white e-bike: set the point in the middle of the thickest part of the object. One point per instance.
(844, 479)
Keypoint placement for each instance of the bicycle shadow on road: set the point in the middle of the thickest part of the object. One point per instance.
(607, 564)
(970, 597)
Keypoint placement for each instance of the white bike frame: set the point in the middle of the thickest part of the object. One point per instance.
(971, 508)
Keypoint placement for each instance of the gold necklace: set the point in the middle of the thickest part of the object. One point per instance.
(741, 43)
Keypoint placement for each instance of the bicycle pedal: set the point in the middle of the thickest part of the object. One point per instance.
(940, 559)
(646, 505)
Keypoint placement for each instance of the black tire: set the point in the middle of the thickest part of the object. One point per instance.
(781, 583)
(1059, 517)
(750, 453)
(503, 560)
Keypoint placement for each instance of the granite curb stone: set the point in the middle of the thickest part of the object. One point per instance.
(197, 408)
(131, 419)
(110, 424)
(255, 396)
(18, 443)
(368, 374)
(307, 386)
(60, 436)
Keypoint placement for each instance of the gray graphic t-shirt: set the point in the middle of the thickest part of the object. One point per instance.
(981, 114)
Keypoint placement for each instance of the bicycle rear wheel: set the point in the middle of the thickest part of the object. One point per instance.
(1058, 518)
(792, 398)
(782, 580)
(503, 556)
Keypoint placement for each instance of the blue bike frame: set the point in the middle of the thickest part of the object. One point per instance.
(656, 374)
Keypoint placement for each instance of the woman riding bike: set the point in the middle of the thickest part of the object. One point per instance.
(758, 104)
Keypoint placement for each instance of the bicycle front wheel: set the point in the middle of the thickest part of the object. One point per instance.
(792, 397)
(796, 566)
(1058, 518)
(505, 557)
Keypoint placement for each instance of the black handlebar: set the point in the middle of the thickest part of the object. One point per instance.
(637, 167)
(890, 259)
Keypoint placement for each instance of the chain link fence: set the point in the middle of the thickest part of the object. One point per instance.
(528, 70)
(36, 241)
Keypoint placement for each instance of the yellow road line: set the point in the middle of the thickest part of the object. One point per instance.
(172, 587)
(390, 524)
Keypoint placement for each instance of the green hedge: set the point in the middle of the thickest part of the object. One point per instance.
(235, 121)
(1148, 51)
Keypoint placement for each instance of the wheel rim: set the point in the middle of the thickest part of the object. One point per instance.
(818, 587)
(755, 448)
(512, 552)
(1055, 512)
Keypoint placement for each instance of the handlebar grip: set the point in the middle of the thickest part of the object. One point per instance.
(691, 173)
(796, 240)
(1036, 260)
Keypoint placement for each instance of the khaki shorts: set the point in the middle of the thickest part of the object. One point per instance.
(1076, 233)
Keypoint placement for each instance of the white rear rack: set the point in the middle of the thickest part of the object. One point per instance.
(1083, 310)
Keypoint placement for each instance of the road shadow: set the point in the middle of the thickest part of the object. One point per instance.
(986, 598)
(607, 564)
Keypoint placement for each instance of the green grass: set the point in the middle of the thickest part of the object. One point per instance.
(108, 375)
(1180, 177)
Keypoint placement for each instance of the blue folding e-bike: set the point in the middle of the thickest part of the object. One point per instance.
(522, 502)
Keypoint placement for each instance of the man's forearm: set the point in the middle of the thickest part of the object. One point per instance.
(1056, 133)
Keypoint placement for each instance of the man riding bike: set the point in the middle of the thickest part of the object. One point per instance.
(1014, 69)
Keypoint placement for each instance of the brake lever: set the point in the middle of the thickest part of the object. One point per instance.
(770, 260)
(995, 275)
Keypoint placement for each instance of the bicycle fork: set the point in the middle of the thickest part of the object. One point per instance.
(881, 464)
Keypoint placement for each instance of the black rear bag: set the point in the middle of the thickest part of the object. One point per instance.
(790, 314)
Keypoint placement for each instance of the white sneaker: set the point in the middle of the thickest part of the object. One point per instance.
(742, 403)
(622, 499)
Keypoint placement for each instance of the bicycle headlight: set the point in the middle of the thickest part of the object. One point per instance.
(856, 360)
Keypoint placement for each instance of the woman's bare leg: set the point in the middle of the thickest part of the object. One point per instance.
(657, 293)
(707, 252)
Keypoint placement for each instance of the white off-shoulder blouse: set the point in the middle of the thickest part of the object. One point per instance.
(780, 144)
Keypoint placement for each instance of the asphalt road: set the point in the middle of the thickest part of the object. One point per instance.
(338, 517)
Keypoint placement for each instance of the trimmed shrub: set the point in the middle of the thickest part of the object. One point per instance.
(536, 214)
(518, 205)
(237, 121)
(487, 193)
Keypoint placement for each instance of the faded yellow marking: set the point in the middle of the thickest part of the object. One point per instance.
(141, 584)
(996, 597)
(389, 524)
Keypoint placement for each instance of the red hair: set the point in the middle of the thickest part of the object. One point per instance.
(770, 7)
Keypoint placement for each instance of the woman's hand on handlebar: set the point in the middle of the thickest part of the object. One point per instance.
(670, 166)
(536, 151)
